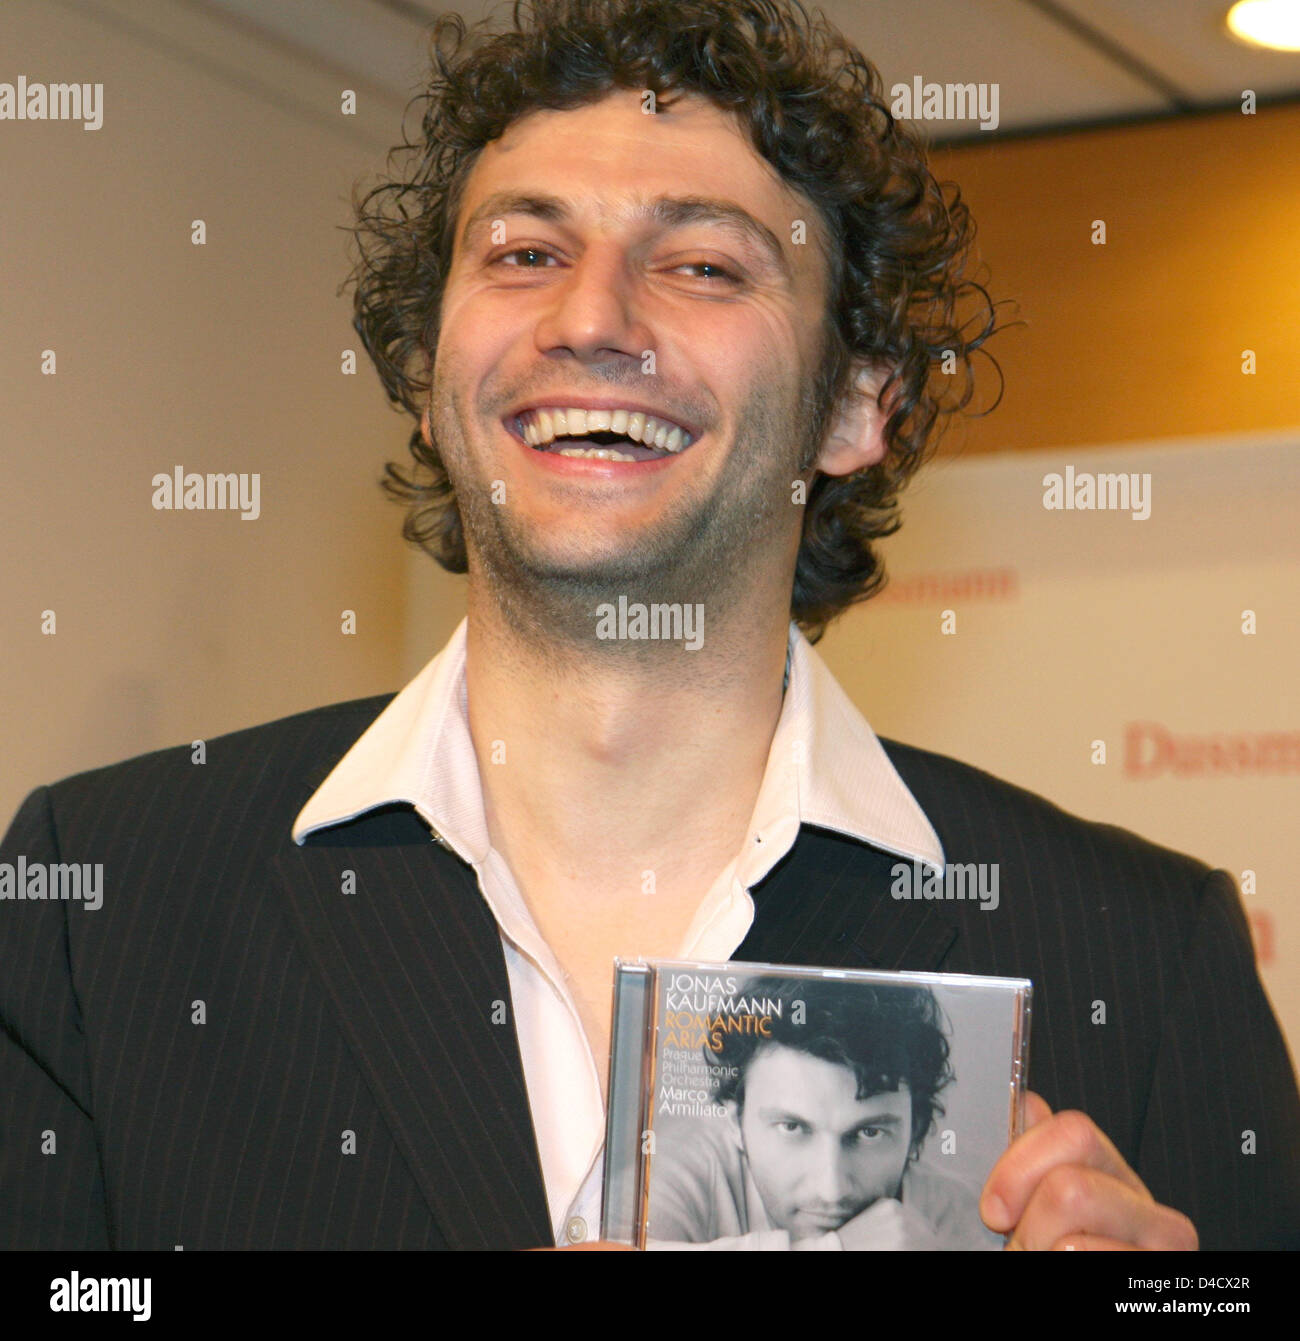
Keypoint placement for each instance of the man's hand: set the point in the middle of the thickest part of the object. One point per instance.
(1063, 1185)
(887, 1225)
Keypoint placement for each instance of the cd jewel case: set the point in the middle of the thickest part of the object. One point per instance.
(769, 1107)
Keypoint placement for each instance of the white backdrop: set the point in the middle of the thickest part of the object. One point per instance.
(1076, 626)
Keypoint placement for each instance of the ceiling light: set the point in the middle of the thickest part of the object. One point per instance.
(1274, 24)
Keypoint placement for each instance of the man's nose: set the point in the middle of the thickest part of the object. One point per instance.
(826, 1175)
(594, 309)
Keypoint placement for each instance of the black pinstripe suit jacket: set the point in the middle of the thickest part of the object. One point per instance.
(232, 1052)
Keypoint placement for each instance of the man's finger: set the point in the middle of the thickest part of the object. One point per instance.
(1037, 1109)
(1073, 1199)
(1069, 1137)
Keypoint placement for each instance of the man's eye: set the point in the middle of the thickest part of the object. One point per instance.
(869, 1135)
(522, 251)
(790, 1127)
(719, 272)
(708, 265)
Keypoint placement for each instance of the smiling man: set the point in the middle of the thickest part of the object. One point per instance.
(350, 983)
(553, 329)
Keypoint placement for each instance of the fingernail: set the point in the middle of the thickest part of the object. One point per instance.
(995, 1213)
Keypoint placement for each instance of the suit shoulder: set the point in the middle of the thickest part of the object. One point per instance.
(308, 743)
(971, 807)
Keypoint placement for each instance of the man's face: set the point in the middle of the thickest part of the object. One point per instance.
(817, 1153)
(591, 297)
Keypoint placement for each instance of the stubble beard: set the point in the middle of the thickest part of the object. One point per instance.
(706, 554)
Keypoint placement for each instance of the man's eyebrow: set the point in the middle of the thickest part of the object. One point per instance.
(667, 211)
(885, 1119)
(877, 1120)
(783, 1115)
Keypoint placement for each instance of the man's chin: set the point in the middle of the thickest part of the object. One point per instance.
(590, 576)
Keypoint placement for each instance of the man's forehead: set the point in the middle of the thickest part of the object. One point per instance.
(801, 1076)
(619, 132)
(622, 117)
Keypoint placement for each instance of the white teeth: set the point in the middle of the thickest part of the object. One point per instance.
(595, 453)
(540, 427)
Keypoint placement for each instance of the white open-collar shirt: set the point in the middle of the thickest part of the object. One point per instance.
(825, 768)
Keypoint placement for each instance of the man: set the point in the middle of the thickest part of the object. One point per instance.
(349, 984)
(827, 1111)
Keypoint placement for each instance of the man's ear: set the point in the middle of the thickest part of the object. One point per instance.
(856, 437)
(425, 432)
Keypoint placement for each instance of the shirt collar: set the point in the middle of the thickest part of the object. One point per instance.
(826, 764)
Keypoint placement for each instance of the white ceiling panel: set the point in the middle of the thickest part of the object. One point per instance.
(1056, 63)
(1187, 41)
(1045, 74)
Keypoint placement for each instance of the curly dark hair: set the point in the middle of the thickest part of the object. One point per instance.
(886, 1035)
(813, 107)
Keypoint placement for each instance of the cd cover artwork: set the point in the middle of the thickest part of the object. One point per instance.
(760, 1106)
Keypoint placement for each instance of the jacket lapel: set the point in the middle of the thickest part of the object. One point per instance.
(412, 961)
(828, 903)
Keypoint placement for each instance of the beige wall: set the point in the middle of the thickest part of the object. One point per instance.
(1070, 629)
(1140, 338)
(224, 357)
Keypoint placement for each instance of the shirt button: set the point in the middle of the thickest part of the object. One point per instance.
(576, 1230)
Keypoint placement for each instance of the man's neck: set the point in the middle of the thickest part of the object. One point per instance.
(603, 763)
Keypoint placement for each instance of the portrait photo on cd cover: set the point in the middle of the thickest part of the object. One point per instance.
(811, 1111)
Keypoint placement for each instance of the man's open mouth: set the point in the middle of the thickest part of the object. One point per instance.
(600, 435)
